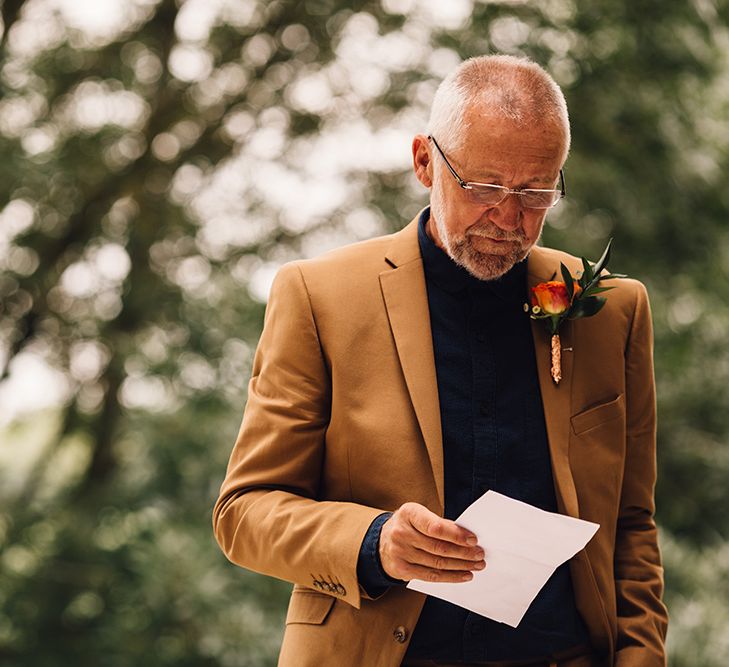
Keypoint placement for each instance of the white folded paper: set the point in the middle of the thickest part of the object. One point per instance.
(524, 545)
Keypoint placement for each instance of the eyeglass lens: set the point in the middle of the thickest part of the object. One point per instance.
(492, 195)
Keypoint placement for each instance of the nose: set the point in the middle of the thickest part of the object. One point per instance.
(508, 214)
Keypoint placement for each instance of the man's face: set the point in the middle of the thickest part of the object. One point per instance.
(488, 241)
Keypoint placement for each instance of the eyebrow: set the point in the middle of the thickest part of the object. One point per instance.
(490, 178)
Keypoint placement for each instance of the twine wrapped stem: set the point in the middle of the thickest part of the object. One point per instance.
(556, 359)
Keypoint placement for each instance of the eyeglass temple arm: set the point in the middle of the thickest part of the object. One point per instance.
(461, 182)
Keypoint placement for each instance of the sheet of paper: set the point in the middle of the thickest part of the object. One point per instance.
(524, 545)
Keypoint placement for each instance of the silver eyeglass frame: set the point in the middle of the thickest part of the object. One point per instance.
(474, 186)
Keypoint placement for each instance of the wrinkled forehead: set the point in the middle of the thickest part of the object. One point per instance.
(489, 130)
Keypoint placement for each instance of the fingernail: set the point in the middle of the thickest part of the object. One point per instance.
(480, 565)
(467, 577)
(471, 540)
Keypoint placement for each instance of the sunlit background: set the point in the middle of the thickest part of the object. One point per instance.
(161, 160)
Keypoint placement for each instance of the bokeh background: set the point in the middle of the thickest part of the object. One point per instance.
(159, 160)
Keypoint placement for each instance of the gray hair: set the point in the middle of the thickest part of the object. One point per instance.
(515, 88)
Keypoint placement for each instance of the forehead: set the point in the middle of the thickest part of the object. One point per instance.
(494, 145)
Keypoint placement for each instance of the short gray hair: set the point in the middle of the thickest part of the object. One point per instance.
(516, 88)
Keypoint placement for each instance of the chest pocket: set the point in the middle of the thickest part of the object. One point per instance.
(598, 414)
(309, 607)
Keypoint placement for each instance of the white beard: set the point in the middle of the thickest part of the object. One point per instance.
(460, 249)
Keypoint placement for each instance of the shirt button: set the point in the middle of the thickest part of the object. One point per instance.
(484, 409)
(400, 634)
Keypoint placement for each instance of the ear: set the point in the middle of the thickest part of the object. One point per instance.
(422, 160)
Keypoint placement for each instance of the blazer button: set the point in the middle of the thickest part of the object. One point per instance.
(341, 589)
(400, 634)
(317, 584)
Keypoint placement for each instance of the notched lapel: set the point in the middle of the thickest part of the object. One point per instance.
(406, 300)
(556, 399)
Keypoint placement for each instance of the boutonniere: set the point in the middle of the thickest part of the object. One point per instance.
(570, 299)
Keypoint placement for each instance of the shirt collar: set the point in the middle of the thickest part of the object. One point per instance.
(448, 275)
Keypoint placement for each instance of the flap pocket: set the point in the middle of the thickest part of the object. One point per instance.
(598, 414)
(309, 607)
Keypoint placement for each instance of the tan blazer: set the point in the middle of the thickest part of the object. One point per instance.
(343, 422)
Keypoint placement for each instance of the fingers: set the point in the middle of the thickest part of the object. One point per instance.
(444, 549)
(438, 576)
(428, 523)
(433, 562)
(415, 543)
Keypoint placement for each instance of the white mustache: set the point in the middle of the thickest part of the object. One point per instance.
(496, 234)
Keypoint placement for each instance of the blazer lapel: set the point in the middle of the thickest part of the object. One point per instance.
(556, 399)
(406, 301)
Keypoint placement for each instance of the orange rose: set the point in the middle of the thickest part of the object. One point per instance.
(552, 298)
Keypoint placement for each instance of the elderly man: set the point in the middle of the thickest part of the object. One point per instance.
(398, 379)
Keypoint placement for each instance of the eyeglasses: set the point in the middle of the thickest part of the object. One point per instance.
(487, 194)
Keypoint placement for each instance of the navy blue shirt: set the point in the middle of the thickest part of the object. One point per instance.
(494, 437)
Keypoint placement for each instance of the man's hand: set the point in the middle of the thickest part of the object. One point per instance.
(417, 544)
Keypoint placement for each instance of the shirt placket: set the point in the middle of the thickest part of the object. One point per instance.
(483, 363)
(485, 438)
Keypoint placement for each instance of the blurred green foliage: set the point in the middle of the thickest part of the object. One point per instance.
(156, 173)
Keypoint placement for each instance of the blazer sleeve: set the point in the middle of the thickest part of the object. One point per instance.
(269, 517)
(642, 617)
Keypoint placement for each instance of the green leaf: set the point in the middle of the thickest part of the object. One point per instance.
(603, 261)
(587, 307)
(614, 275)
(595, 290)
(568, 280)
(587, 274)
(553, 276)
